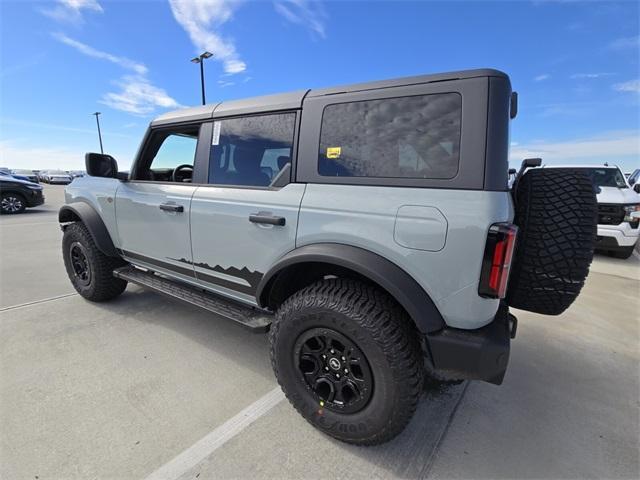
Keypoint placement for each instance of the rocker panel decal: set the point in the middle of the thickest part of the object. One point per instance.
(250, 280)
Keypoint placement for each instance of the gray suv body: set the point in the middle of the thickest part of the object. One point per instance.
(369, 227)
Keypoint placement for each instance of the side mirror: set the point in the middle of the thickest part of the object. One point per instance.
(636, 188)
(101, 165)
(513, 105)
(531, 163)
(512, 171)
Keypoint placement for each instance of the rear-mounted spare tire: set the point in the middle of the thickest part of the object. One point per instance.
(556, 212)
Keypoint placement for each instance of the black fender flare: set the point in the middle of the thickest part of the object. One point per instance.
(92, 220)
(398, 283)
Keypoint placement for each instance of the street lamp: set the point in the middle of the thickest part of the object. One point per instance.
(200, 59)
(99, 133)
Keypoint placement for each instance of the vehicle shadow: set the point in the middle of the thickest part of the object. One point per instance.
(37, 211)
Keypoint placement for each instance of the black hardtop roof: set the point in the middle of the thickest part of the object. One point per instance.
(293, 100)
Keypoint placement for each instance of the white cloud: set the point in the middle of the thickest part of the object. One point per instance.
(71, 10)
(625, 42)
(138, 96)
(124, 62)
(608, 146)
(200, 19)
(540, 78)
(577, 76)
(307, 13)
(630, 86)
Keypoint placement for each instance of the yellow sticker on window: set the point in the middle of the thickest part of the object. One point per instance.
(334, 152)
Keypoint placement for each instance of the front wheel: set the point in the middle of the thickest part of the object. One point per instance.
(12, 203)
(90, 270)
(349, 360)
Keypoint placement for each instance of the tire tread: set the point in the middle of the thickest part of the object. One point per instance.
(556, 212)
(389, 326)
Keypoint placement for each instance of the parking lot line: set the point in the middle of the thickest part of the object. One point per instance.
(49, 299)
(217, 438)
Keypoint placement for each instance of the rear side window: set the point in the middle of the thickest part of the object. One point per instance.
(406, 137)
(251, 151)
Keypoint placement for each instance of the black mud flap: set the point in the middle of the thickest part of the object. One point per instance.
(481, 354)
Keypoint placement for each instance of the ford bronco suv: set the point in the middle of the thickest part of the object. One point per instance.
(369, 228)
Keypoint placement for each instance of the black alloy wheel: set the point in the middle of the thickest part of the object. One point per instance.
(80, 263)
(12, 204)
(334, 369)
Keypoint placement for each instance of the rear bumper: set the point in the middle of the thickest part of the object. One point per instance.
(481, 354)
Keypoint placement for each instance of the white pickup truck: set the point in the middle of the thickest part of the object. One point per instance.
(618, 209)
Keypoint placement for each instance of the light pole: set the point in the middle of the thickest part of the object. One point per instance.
(200, 59)
(99, 133)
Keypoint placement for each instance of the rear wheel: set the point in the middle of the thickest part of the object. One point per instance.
(90, 270)
(12, 203)
(348, 358)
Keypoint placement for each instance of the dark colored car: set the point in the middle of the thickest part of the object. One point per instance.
(23, 174)
(16, 195)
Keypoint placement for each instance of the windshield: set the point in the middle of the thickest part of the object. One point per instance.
(23, 172)
(56, 172)
(606, 177)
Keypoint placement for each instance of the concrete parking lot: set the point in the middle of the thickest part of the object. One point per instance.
(123, 389)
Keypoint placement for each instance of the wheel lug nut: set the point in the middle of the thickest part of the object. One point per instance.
(337, 375)
(346, 371)
(333, 351)
(326, 368)
(343, 359)
(324, 356)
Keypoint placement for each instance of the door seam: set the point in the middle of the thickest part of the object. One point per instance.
(193, 260)
(295, 238)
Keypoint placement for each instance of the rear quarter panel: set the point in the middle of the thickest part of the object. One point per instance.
(365, 217)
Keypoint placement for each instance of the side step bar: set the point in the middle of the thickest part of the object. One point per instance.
(252, 318)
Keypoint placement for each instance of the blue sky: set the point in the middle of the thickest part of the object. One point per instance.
(575, 65)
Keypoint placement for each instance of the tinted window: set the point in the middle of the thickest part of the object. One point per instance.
(408, 137)
(251, 151)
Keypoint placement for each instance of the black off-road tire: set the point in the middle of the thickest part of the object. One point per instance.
(101, 285)
(556, 212)
(380, 329)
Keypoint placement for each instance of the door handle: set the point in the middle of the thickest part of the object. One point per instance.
(267, 218)
(171, 207)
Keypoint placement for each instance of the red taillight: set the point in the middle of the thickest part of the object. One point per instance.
(496, 263)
